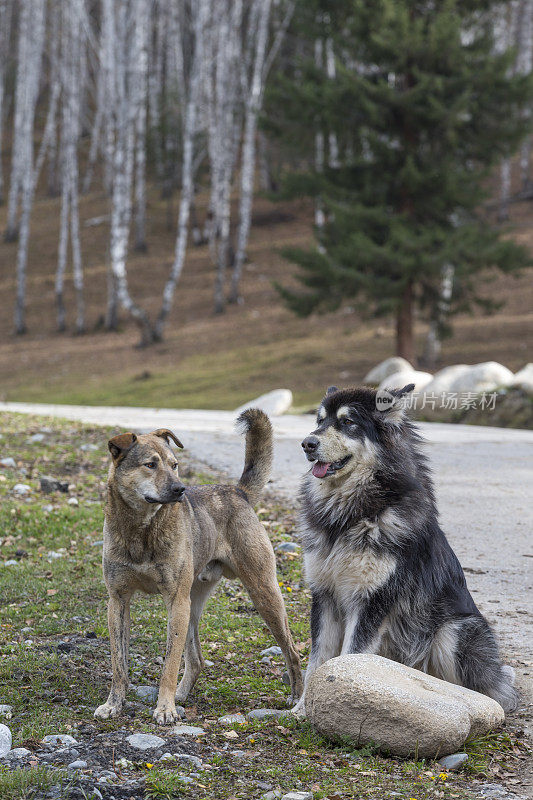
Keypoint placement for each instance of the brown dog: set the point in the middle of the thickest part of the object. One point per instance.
(160, 536)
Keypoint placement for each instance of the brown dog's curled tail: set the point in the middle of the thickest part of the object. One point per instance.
(259, 448)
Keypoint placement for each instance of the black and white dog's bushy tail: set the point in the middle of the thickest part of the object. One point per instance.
(479, 664)
(259, 450)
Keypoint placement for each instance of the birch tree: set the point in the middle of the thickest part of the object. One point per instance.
(6, 10)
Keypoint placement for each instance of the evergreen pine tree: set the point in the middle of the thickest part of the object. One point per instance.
(420, 108)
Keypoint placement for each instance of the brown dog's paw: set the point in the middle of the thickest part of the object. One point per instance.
(166, 714)
(107, 710)
(299, 709)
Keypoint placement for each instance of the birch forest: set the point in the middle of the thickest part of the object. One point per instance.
(110, 94)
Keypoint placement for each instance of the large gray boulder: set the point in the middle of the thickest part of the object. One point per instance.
(524, 379)
(443, 379)
(368, 698)
(400, 379)
(385, 368)
(484, 377)
(272, 403)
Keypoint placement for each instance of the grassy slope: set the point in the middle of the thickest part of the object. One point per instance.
(207, 360)
(58, 598)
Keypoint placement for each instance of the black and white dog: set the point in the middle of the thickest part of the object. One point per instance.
(382, 574)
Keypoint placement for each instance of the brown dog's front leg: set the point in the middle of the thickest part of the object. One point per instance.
(118, 618)
(178, 606)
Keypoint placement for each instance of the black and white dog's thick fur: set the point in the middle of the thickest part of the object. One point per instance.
(382, 574)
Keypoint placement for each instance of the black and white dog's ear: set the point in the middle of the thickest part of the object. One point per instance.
(391, 403)
(331, 389)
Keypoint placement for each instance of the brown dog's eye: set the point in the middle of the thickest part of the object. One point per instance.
(150, 464)
(174, 466)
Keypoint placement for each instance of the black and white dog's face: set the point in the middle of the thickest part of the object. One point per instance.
(350, 426)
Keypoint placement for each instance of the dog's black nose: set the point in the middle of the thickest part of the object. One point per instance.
(310, 444)
(178, 490)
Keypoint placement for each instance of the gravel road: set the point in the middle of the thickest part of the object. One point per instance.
(484, 480)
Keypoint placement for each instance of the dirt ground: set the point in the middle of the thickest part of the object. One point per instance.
(208, 360)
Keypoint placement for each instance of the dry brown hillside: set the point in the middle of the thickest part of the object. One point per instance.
(217, 361)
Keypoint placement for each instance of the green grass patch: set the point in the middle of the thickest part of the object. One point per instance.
(54, 649)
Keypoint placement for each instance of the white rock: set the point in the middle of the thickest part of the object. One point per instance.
(444, 378)
(261, 714)
(8, 462)
(19, 752)
(11, 562)
(144, 741)
(21, 488)
(385, 368)
(524, 379)
(231, 719)
(401, 379)
(273, 403)
(5, 740)
(453, 762)
(6, 711)
(36, 438)
(54, 554)
(404, 711)
(59, 738)
(482, 378)
(188, 730)
(73, 501)
(298, 796)
(78, 764)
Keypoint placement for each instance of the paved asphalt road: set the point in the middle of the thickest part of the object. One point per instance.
(484, 480)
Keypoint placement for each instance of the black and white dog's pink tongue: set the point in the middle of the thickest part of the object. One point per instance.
(320, 468)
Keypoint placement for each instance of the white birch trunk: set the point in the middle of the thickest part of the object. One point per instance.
(32, 67)
(141, 29)
(253, 107)
(6, 8)
(319, 142)
(187, 188)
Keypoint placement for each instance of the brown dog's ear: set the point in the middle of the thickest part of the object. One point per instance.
(331, 390)
(166, 435)
(119, 445)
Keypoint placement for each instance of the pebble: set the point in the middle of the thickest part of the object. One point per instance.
(188, 730)
(108, 773)
(8, 462)
(231, 719)
(98, 543)
(19, 752)
(11, 562)
(145, 741)
(59, 738)
(167, 757)
(36, 438)
(208, 663)
(49, 484)
(266, 660)
(73, 501)
(48, 508)
(21, 489)
(54, 554)
(260, 714)
(88, 447)
(298, 796)
(271, 795)
(288, 547)
(191, 759)
(147, 694)
(78, 764)
(239, 754)
(453, 762)
(5, 740)
(6, 711)
(271, 651)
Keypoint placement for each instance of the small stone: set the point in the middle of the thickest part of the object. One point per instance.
(59, 738)
(232, 719)
(208, 663)
(98, 543)
(167, 757)
(239, 753)
(191, 759)
(36, 438)
(6, 711)
(288, 547)
(88, 447)
(73, 501)
(145, 741)
(298, 796)
(271, 651)
(49, 484)
(54, 554)
(148, 694)
(260, 714)
(78, 764)
(271, 795)
(108, 773)
(188, 730)
(184, 779)
(21, 489)
(11, 562)
(453, 762)
(8, 462)
(48, 508)
(5, 740)
(19, 752)
(266, 660)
